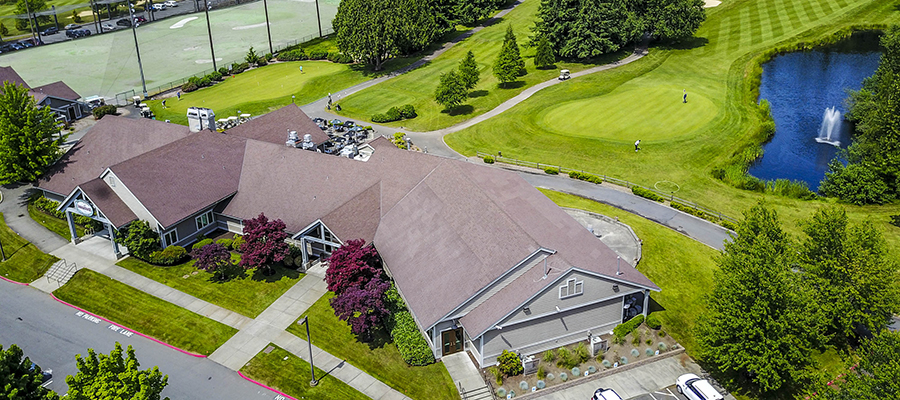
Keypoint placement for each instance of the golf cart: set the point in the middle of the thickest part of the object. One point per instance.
(564, 74)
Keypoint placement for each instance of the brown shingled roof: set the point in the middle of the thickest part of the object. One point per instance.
(274, 126)
(108, 202)
(358, 218)
(112, 140)
(181, 178)
(57, 89)
(8, 74)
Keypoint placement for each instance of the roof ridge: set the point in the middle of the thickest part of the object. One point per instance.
(413, 188)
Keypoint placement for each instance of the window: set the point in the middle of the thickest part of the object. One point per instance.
(204, 220)
(571, 288)
(112, 181)
(170, 237)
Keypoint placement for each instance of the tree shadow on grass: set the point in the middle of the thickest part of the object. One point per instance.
(686, 44)
(477, 93)
(377, 339)
(274, 274)
(463, 109)
(511, 85)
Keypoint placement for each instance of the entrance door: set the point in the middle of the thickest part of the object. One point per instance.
(452, 340)
(70, 114)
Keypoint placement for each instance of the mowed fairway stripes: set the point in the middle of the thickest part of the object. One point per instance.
(776, 19)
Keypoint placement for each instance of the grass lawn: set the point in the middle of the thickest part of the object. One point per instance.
(262, 90)
(145, 313)
(56, 225)
(291, 376)
(24, 262)
(383, 362)
(417, 87)
(247, 295)
(591, 122)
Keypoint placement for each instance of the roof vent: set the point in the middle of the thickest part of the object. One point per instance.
(293, 139)
(618, 270)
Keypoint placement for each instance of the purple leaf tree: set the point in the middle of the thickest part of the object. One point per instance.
(263, 243)
(351, 266)
(214, 258)
(363, 308)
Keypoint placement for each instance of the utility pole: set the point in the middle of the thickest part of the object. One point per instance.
(312, 369)
(95, 13)
(212, 51)
(319, 18)
(136, 48)
(268, 30)
(55, 20)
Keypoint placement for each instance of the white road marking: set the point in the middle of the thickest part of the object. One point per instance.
(181, 23)
(240, 28)
(667, 394)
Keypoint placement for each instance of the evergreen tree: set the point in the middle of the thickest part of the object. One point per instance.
(602, 26)
(114, 377)
(543, 57)
(29, 137)
(673, 19)
(509, 64)
(374, 31)
(468, 12)
(468, 71)
(761, 321)
(555, 21)
(19, 379)
(451, 92)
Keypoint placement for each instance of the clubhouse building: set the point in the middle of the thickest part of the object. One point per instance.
(485, 261)
(61, 99)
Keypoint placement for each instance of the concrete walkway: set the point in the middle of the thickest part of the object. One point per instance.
(466, 376)
(15, 211)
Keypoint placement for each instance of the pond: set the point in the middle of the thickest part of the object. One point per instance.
(806, 91)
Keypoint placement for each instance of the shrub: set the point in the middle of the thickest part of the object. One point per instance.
(237, 68)
(236, 242)
(408, 111)
(140, 239)
(293, 55)
(225, 242)
(409, 340)
(636, 340)
(591, 369)
(663, 347)
(169, 256)
(606, 363)
(214, 76)
(379, 118)
(661, 334)
(563, 376)
(649, 341)
(399, 140)
(501, 391)
(541, 373)
(627, 327)
(576, 371)
(201, 243)
(340, 58)
(585, 177)
(393, 114)
(551, 171)
(223, 71)
(510, 364)
(581, 353)
(718, 173)
(318, 55)
(541, 384)
(623, 360)
(498, 376)
(649, 352)
(488, 160)
(550, 376)
(189, 87)
(653, 321)
(727, 225)
(523, 385)
(108, 109)
(635, 353)
(548, 356)
(645, 193)
(262, 62)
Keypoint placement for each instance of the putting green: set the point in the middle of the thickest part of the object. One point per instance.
(653, 113)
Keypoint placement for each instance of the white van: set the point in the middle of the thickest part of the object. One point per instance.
(694, 388)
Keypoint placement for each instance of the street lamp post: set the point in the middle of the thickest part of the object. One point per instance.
(28, 11)
(2, 253)
(312, 369)
(268, 30)
(136, 48)
(209, 30)
(318, 18)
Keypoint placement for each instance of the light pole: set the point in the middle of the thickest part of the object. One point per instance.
(268, 30)
(318, 18)
(136, 48)
(209, 30)
(312, 369)
(2, 253)
(28, 10)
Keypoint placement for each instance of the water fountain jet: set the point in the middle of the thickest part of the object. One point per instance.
(830, 131)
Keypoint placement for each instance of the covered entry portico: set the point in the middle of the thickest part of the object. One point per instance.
(81, 203)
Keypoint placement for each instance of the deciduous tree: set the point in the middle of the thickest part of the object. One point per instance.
(509, 65)
(264, 243)
(352, 265)
(875, 377)
(363, 307)
(761, 321)
(468, 71)
(543, 56)
(114, 377)
(140, 240)
(33, 6)
(214, 258)
(29, 137)
(451, 92)
(19, 379)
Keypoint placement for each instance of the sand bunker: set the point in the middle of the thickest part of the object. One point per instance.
(711, 3)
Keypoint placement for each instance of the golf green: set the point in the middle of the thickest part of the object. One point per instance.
(654, 113)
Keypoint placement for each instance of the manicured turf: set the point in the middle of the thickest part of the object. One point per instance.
(591, 122)
(682, 267)
(24, 262)
(56, 225)
(382, 362)
(248, 295)
(262, 90)
(292, 377)
(147, 314)
(417, 87)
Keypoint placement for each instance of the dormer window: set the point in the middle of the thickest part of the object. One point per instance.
(572, 287)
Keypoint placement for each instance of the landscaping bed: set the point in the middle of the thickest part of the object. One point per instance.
(288, 373)
(379, 358)
(24, 262)
(248, 294)
(144, 313)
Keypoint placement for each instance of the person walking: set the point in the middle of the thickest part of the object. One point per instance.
(301, 69)
(179, 95)
(164, 104)
(684, 97)
(637, 145)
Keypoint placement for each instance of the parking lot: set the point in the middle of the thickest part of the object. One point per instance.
(667, 393)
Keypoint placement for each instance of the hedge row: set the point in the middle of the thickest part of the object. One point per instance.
(702, 214)
(301, 55)
(108, 109)
(49, 207)
(647, 194)
(653, 321)
(623, 329)
(585, 177)
(396, 114)
(169, 256)
(409, 340)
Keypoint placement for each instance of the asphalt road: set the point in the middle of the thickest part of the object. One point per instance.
(51, 334)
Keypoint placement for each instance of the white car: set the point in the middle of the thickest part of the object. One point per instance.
(171, 3)
(108, 26)
(159, 6)
(694, 388)
(605, 394)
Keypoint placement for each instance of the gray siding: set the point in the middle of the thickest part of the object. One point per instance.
(230, 224)
(54, 196)
(187, 229)
(593, 289)
(553, 330)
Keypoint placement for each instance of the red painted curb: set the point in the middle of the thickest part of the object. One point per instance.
(118, 324)
(260, 384)
(12, 281)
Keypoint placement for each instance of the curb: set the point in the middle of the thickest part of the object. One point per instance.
(123, 326)
(264, 386)
(12, 281)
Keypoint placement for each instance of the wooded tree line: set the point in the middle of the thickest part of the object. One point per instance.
(583, 29)
(872, 172)
(779, 300)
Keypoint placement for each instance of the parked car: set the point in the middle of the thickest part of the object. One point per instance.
(72, 26)
(124, 22)
(605, 394)
(694, 388)
(159, 6)
(108, 26)
(140, 20)
(6, 48)
(50, 31)
(46, 374)
(171, 3)
(77, 33)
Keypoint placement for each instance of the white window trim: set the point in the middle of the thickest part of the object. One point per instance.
(209, 220)
(166, 237)
(577, 288)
